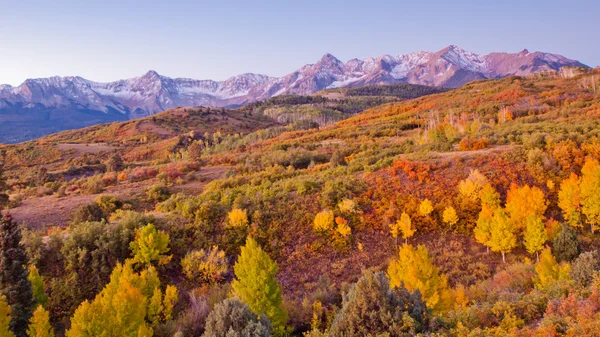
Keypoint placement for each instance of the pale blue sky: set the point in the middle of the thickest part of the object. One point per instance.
(110, 40)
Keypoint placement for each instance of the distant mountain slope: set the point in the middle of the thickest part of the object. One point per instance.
(42, 106)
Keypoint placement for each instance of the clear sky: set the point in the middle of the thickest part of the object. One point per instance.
(110, 40)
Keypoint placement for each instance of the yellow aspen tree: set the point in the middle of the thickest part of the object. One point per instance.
(590, 192)
(342, 227)
(535, 235)
(569, 200)
(39, 324)
(256, 285)
(521, 202)
(37, 286)
(483, 229)
(548, 271)
(415, 270)
(502, 237)
(395, 230)
(405, 225)
(426, 207)
(237, 218)
(5, 318)
(449, 216)
(471, 187)
(125, 307)
(150, 245)
(324, 221)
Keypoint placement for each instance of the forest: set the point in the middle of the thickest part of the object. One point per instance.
(465, 212)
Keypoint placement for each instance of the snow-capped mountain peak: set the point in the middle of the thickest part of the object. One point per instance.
(152, 92)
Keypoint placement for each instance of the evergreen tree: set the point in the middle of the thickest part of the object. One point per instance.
(5, 318)
(535, 235)
(255, 283)
(40, 326)
(13, 275)
(414, 270)
(233, 318)
(565, 245)
(371, 308)
(502, 236)
(114, 163)
(584, 268)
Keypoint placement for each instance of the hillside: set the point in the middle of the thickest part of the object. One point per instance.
(325, 203)
(42, 106)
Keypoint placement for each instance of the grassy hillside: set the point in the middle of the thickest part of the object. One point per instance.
(326, 203)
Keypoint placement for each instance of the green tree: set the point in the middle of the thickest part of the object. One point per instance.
(584, 268)
(535, 235)
(371, 308)
(502, 238)
(233, 318)
(5, 318)
(415, 270)
(483, 229)
(565, 245)
(150, 245)
(39, 325)
(37, 286)
(13, 275)
(255, 283)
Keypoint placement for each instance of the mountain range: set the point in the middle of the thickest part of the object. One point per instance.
(46, 105)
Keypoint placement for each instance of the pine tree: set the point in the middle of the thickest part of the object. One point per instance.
(569, 200)
(502, 236)
(371, 308)
(565, 245)
(233, 318)
(535, 235)
(13, 275)
(590, 192)
(150, 245)
(415, 270)
(5, 318)
(255, 284)
(39, 325)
